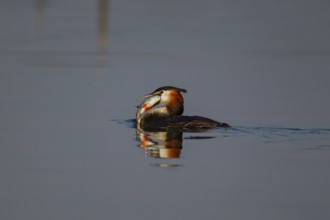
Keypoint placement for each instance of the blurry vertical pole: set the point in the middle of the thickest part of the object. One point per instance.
(39, 15)
(102, 37)
(103, 25)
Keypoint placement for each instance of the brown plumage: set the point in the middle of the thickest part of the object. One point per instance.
(163, 109)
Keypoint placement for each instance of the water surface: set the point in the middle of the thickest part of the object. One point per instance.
(72, 72)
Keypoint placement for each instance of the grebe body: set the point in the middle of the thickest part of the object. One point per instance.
(163, 108)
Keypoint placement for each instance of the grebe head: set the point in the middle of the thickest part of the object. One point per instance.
(163, 102)
(169, 96)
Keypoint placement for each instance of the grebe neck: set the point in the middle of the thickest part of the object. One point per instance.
(173, 102)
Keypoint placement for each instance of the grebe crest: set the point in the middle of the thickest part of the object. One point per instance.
(163, 108)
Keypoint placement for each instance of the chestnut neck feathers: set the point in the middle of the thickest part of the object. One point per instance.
(173, 101)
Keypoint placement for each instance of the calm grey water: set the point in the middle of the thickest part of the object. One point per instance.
(72, 72)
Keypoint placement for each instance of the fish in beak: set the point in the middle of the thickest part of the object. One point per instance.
(152, 100)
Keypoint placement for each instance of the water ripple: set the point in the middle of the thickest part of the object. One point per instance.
(317, 138)
(284, 134)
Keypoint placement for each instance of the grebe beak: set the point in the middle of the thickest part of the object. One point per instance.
(158, 93)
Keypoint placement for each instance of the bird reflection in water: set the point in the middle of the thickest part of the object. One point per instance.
(160, 124)
(161, 144)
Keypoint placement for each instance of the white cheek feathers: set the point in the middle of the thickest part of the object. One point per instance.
(165, 97)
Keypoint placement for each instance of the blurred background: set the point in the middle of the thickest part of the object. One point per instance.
(249, 63)
(69, 68)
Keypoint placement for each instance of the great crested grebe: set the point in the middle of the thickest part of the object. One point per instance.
(163, 109)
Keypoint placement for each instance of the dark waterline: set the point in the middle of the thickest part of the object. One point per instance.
(316, 138)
